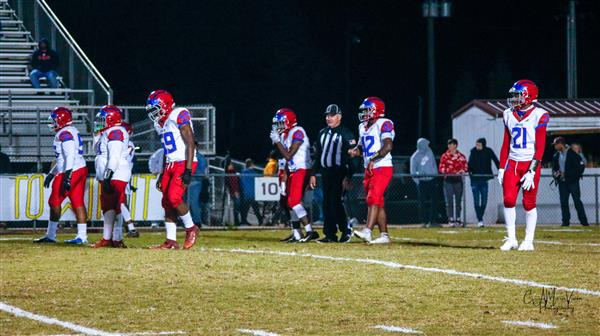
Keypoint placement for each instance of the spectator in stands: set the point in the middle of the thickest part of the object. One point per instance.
(480, 164)
(196, 207)
(567, 168)
(453, 162)
(232, 181)
(422, 162)
(5, 167)
(44, 62)
(248, 200)
(271, 166)
(576, 147)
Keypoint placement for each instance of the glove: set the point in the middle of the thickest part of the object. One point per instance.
(527, 180)
(48, 180)
(159, 182)
(186, 177)
(274, 136)
(500, 175)
(133, 189)
(66, 181)
(106, 186)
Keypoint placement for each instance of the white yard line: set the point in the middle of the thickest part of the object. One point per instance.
(418, 268)
(531, 324)
(397, 329)
(11, 238)
(565, 230)
(257, 332)
(143, 333)
(449, 232)
(551, 242)
(547, 242)
(49, 320)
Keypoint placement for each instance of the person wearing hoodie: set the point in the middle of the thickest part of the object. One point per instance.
(44, 62)
(480, 169)
(422, 163)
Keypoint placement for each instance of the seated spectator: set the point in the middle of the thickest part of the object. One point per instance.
(44, 62)
(248, 200)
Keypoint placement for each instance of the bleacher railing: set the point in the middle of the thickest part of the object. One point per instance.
(76, 68)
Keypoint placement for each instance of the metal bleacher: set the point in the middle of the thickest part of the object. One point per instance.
(24, 135)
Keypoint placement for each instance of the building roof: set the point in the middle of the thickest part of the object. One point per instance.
(556, 107)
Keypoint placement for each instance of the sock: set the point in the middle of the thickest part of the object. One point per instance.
(117, 233)
(384, 234)
(171, 230)
(510, 216)
(297, 234)
(308, 227)
(367, 230)
(109, 221)
(125, 212)
(51, 230)
(299, 211)
(131, 227)
(293, 216)
(187, 220)
(82, 230)
(530, 222)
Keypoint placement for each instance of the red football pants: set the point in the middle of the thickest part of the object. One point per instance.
(171, 185)
(58, 194)
(295, 186)
(376, 183)
(113, 201)
(512, 183)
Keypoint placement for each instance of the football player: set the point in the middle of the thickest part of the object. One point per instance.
(67, 176)
(125, 213)
(292, 143)
(376, 135)
(520, 159)
(177, 137)
(112, 172)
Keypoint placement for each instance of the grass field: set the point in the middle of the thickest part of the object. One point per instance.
(235, 280)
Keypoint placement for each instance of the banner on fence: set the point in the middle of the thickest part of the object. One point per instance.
(24, 198)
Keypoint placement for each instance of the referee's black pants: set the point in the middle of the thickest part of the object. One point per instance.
(334, 215)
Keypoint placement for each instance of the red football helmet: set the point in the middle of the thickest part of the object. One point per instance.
(371, 108)
(284, 120)
(108, 116)
(522, 94)
(160, 103)
(59, 118)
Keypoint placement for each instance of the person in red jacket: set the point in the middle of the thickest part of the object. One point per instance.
(232, 181)
(453, 162)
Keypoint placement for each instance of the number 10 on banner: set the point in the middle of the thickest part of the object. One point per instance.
(266, 188)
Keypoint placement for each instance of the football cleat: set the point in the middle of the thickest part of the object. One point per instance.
(526, 245)
(364, 235)
(326, 240)
(102, 243)
(118, 244)
(383, 239)
(76, 241)
(288, 238)
(293, 240)
(509, 245)
(345, 238)
(310, 235)
(190, 237)
(167, 245)
(43, 240)
(133, 234)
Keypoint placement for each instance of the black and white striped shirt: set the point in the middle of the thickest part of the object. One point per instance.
(331, 149)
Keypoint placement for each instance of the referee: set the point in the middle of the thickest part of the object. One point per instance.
(335, 166)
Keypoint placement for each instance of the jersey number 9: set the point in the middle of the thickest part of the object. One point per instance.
(169, 145)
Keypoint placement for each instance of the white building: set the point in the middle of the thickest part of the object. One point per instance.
(483, 118)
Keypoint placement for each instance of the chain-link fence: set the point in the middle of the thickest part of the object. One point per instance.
(406, 201)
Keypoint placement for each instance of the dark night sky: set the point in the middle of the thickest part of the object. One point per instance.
(249, 58)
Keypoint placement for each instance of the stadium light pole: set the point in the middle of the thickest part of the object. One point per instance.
(433, 9)
(571, 52)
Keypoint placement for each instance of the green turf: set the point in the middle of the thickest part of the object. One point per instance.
(208, 292)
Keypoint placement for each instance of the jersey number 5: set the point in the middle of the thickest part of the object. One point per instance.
(169, 142)
(519, 132)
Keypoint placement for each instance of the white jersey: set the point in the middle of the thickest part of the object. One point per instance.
(131, 156)
(112, 152)
(371, 140)
(170, 136)
(300, 160)
(522, 132)
(68, 149)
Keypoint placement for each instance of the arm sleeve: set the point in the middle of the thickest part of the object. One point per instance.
(114, 154)
(470, 161)
(494, 158)
(69, 149)
(442, 166)
(504, 149)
